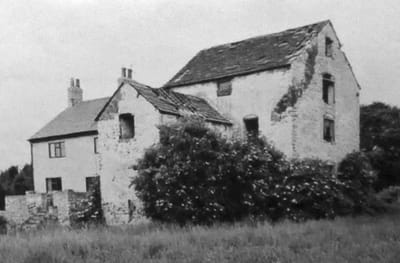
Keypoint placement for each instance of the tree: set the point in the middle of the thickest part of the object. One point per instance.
(17, 183)
(380, 138)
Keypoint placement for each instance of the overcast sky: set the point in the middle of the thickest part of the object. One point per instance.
(45, 43)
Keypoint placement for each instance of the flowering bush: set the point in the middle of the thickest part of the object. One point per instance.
(195, 175)
(307, 190)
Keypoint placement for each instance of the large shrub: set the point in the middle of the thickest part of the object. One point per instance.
(308, 190)
(195, 175)
(356, 172)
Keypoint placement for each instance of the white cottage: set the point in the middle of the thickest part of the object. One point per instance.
(295, 87)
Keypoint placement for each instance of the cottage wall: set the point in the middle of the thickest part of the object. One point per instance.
(255, 94)
(79, 162)
(311, 109)
(120, 204)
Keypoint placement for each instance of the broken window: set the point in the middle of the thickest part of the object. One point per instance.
(251, 124)
(126, 126)
(329, 130)
(224, 88)
(95, 145)
(328, 89)
(92, 183)
(53, 184)
(57, 149)
(328, 47)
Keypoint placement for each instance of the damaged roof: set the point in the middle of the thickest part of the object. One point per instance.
(73, 120)
(81, 119)
(177, 103)
(170, 102)
(246, 56)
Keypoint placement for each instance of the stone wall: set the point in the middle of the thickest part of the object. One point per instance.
(16, 211)
(310, 109)
(119, 156)
(61, 205)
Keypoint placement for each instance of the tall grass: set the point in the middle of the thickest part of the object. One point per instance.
(362, 239)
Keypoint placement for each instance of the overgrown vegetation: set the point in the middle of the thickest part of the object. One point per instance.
(88, 210)
(296, 91)
(196, 176)
(359, 239)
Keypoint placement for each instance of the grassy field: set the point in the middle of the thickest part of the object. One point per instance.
(361, 239)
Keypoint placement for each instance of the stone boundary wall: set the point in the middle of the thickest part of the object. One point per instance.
(16, 209)
(61, 205)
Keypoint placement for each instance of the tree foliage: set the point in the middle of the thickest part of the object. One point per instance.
(15, 182)
(380, 138)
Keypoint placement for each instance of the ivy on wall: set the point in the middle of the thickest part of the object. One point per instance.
(296, 91)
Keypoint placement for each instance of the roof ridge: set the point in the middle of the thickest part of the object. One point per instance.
(267, 35)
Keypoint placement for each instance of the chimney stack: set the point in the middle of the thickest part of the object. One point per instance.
(75, 93)
(126, 75)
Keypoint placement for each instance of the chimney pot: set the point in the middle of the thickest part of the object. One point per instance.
(129, 73)
(124, 72)
(77, 84)
(72, 82)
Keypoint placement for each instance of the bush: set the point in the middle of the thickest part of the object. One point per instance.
(390, 194)
(88, 210)
(356, 172)
(307, 191)
(194, 175)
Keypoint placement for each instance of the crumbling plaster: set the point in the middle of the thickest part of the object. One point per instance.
(256, 94)
(310, 109)
(296, 125)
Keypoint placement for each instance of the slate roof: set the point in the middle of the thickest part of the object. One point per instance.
(73, 120)
(246, 56)
(82, 117)
(177, 103)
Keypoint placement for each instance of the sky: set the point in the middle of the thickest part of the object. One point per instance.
(43, 43)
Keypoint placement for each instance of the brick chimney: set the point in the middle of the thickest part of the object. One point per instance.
(126, 75)
(74, 93)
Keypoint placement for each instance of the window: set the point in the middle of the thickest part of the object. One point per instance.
(224, 88)
(92, 183)
(57, 149)
(126, 126)
(329, 130)
(328, 47)
(251, 124)
(53, 184)
(95, 145)
(328, 89)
